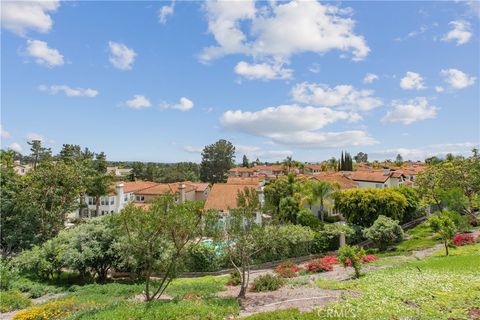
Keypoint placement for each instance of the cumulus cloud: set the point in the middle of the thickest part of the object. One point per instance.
(22, 16)
(439, 150)
(4, 133)
(262, 71)
(412, 81)
(138, 102)
(192, 149)
(280, 30)
(68, 91)
(439, 89)
(121, 56)
(369, 78)
(254, 152)
(184, 104)
(165, 11)
(44, 55)
(15, 147)
(461, 32)
(294, 125)
(35, 136)
(343, 97)
(457, 79)
(411, 111)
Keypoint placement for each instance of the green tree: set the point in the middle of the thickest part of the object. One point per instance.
(443, 224)
(384, 232)
(244, 235)
(245, 162)
(399, 160)
(413, 202)
(352, 254)
(39, 153)
(361, 157)
(363, 206)
(217, 159)
(156, 238)
(320, 192)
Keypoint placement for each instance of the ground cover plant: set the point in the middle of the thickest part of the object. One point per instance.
(13, 300)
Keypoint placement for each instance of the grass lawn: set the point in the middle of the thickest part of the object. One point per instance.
(418, 238)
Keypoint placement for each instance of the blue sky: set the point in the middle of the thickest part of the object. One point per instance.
(156, 81)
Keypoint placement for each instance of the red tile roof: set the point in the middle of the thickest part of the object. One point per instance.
(223, 196)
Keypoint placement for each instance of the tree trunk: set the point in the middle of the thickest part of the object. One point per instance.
(446, 247)
(97, 205)
(321, 210)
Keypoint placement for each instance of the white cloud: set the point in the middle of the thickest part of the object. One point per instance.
(413, 34)
(457, 79)
(138, 102)
(262, 71)
(314, 68)
(369, 78)
(461, 32)
(165, 11)
(183, 105)
(4, 133)
(409, 112)
(68, 91)
(280, 30)
(343, 97)
(43, 54)
(35, 136)
(15, 147)
(412, 80)
(295, 125)
(254, 152)
(192, 149)
(440, 150)
(439, 89)
(21, 16)
(121, 56)
(315, 139)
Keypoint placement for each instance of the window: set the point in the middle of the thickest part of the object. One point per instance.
(378, 185)
(140, 198)
(102, 201)
(91, 201)
(112, 200)
(125, 198)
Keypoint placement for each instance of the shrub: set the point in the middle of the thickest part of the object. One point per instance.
(202, 257)
(234, 279)
(8, 273)
(13, 300)
(317, 265)
(369, 258)
(462, 239)
(267, 282)
(384, 232)
(351, 256)
(413, 201)
(53, 310)
(330, 259)
(363, 206)
(328, 238)
(287, 269)
(307, 219)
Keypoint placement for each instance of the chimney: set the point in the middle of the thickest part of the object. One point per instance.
(120, 198)
(181, 190)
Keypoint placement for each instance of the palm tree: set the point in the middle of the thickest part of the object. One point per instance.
(320, 192)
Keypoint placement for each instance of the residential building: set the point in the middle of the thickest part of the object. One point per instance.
(21, 169)
(119, 172)
(381, 178)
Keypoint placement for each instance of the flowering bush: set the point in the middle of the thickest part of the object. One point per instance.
(330, 259)
(267, 282)
(462, 239)
(287, 269)
(317, 265)
(59, 309)
(365, 259)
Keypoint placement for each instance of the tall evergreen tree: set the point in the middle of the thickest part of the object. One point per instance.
(217, 159)
(245, 162)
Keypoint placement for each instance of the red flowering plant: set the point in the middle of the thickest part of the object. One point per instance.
(364, 259)
(462, 239)
(317, 265)
(287, 269)
(330, 259)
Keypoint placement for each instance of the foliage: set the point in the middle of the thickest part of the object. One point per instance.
(156, 237)
(202, 257)
(351, 256)
(13, 300)
(217, 159)
(318, 265)
(267, 282)
(91, 247)
(165, 172)
(288, 314)
(443, 224)
(327, 239)
(8, 273)
(363, 206)
(234, 278)
(330, 284)
(289, 209)
(413, 202)
(287, 269)
(462, 239)
(275, 191)
(319, 192)
(361, 157)
(307, 219)
(345, 162)
(59, 309)
(384, 232)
